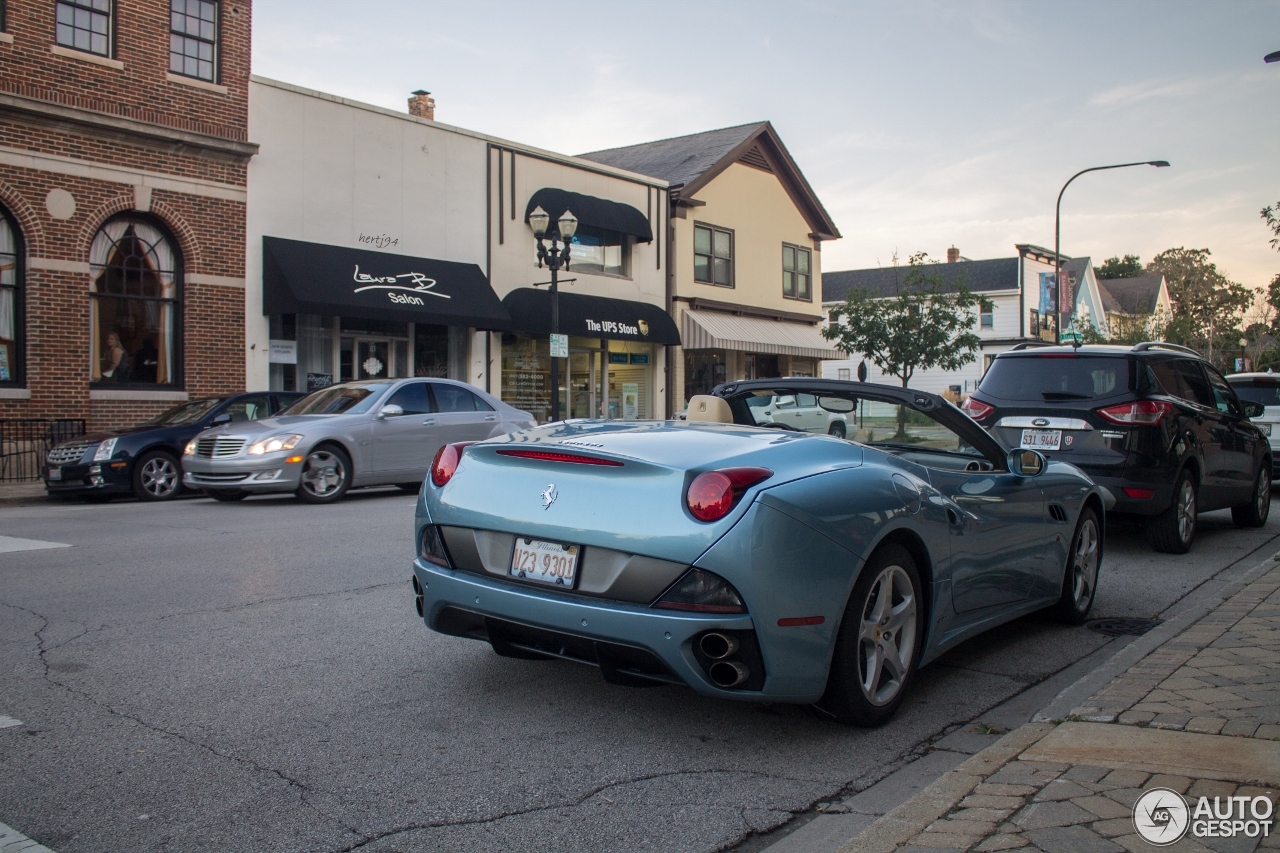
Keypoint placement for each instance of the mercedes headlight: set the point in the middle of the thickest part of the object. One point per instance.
(105, 450)
(190, 449)
(274, 443)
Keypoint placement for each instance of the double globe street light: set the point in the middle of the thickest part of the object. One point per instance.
(1057, 254)
(555, 256)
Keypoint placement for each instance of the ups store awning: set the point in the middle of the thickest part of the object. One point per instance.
(591, 317)
(313, 278)
(713, 330)
(595, 212)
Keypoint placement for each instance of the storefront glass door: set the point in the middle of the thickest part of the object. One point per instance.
(376, 358)
(583, 396)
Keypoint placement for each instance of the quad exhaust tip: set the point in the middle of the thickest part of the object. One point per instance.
(417, 595)
(718, 646)
(728, 673)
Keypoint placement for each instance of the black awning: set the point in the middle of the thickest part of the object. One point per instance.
(596, 212)
(591, 317)
(312, 278)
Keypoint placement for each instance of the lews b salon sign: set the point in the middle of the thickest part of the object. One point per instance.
(406, 288)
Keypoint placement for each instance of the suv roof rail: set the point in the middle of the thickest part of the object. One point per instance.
(1029, 344)
(1146, 345)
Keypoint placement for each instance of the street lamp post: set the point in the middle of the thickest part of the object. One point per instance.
(555, 257)
(1057, 220)
(1274, 56)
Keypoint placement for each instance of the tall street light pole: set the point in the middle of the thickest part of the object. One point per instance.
(1057, 221)
(555, 257)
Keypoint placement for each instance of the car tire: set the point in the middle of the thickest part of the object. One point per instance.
(1255, 512)
(1173, 531)
(226, 495)
(326, 475)
(837, 429)
(885, 613)
(1080, 576)
(157, 476)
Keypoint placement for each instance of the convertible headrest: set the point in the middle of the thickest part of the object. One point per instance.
(704, 407)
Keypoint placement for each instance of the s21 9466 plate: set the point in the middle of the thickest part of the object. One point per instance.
(552, 563)
(1041, 439)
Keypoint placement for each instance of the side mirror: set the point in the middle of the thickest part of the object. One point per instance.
(837, 405)
(1253, 410)
(1027, 463)
(390, 410)
(224, 418)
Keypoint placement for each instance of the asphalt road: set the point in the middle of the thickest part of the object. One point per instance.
(252, 677)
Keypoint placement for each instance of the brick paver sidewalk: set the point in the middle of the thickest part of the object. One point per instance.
(1199, 715)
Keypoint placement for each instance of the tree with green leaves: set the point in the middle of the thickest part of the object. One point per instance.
(926, 323)
(1271, 215)
(1207, 306)
(1126, 267)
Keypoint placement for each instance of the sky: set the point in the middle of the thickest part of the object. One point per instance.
(920, 124)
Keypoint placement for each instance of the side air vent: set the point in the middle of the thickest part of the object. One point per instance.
(1057, 513)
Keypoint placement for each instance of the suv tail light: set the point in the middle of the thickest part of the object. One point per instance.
(701, 592)
(713, 493)
(976, 409)
(446, 462)
(1138, 413)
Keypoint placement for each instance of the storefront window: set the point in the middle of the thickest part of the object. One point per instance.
(10, 303)
(703, 370)
(135, 308)
(595, 250)
(526, 374)
(600, 379)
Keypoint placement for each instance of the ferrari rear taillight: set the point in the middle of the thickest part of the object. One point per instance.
(713, 493)
(1137, 413)
(446, 462)
(700, 591)
(554, 456)
(976, 409)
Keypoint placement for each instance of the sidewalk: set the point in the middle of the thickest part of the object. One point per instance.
(23, 494)
(1198, 715)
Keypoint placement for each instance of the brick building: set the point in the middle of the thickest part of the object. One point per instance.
(123, 160)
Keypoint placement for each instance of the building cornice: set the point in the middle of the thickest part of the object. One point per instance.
(697, 303)
(76, 119)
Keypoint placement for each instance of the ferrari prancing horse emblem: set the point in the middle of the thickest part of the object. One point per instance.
(549, 495)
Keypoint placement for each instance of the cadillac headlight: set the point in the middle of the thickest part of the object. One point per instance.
(105, 450)
(273, 444)
(190, 449)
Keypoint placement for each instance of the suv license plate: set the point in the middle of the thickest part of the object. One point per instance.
(1041, 439)
(546, 562)
(1266, 428)
(55, 473)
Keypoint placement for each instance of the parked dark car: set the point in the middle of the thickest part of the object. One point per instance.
(1155, 424)
(146, 460)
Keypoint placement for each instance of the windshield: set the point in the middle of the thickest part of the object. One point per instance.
(1057, 377)
(1264, 391)
(890, 425)
(350, 399)
(186, 413)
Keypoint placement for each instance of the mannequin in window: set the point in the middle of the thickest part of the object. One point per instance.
(116, 361)
(145, 361)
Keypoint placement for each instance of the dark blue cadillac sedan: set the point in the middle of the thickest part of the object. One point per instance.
(145, 460)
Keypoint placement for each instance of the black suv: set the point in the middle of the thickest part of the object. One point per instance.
(1155, 424)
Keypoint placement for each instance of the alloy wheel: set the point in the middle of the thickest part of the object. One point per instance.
(887, 636)
(1084, 564)
(159, 477)
(323, 473)
(1186, 511)
(1264, 494)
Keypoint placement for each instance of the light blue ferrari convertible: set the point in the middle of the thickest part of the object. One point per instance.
(748, 559)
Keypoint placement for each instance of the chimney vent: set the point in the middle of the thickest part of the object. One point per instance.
(953, 255)
(422, 105)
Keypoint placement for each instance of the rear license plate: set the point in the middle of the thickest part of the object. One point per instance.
(1266, 428)
(1041, 439)
(546, 562)
(55, 473)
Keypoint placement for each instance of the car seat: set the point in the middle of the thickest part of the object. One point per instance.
(704, 407)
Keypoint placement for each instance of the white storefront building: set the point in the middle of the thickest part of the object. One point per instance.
(381, 243)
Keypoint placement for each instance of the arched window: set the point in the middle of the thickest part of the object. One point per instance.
(136, 307)
(11, 348)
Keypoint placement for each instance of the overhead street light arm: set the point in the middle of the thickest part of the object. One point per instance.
(1057, 221)
(1272, 57)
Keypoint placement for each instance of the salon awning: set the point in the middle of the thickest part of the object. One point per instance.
(314, 278)
(591, 317)
(595, 212)
(713, 330)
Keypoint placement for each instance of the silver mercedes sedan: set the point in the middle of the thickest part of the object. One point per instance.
(367, 433)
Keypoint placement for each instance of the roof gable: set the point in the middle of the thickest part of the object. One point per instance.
(689, 163)
(1138, 294)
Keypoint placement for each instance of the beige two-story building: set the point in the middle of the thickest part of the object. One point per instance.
(744, 245)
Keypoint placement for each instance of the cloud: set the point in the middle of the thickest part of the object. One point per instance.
(1132, 93)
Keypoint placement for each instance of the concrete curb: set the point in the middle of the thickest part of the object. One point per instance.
(911, 818)
(1077, 694)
